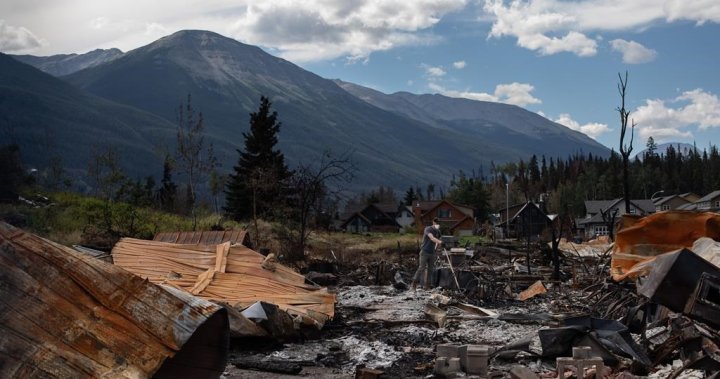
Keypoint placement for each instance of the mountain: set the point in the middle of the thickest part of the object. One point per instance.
(517, 132)
(400, 139)
(50, 119)
(391, 147)
(65, 64)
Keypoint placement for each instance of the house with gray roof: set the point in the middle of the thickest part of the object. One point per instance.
(593, 224)
(709, 202)
(669, 203)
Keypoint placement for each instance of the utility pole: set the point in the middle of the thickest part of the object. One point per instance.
(507, 210)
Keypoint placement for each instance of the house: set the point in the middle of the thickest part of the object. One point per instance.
(405, 216)
(691, 197)
(372, 218)
(671, 202)
(593, 224)
(525, 219)
(709, 202)
(456, 219)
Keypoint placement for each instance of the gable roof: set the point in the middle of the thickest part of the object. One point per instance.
(688, 207)
(426, 205)
(387, 207)
(709, 196)
(594, 206)
(352, 216)
(665, 199)
(465, 210)
(528, 204)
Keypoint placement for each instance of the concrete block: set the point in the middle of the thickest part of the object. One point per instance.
(522, 372)
(476, 359)
(580, 364)
(447, 367)
(448, 350)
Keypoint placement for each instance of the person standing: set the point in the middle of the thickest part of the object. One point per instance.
(426, 261)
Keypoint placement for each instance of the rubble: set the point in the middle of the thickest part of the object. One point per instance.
(226, 273)
(66, 314)
(647, 305)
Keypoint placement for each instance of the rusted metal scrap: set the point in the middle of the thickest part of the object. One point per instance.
(64, 314)
(641, 239)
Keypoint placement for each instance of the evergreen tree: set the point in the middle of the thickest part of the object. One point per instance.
(12, 173)
(410, 197)
(259, 180)
(471, 192)
(167, 192)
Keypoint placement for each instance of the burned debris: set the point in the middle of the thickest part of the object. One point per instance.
(68, 315)
(644, 305)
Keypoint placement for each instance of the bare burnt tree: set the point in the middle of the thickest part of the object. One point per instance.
(193, 157)
(625, 150)
(609, 219)
(310, 185)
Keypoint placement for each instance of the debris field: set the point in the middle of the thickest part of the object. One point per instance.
(644, 305)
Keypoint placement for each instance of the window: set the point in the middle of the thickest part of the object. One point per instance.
(601, 230)
(717, 203)
(444, 213)
(666, 207)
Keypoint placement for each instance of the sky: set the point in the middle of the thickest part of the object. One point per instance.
(560, 59)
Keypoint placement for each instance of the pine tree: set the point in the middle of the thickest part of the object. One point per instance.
(410, 197)
(167, 192)
(259, 179)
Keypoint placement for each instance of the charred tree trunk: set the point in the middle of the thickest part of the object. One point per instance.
(625, 150)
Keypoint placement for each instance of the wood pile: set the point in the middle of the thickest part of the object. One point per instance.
(227, 273)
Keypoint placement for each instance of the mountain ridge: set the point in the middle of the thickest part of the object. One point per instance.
(64, 64)
(226, 79)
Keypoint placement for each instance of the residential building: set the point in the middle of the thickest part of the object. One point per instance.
(525, 219)
(709, 202)
(593, 224)
(372, 218)
(668, 203)
(456, 219)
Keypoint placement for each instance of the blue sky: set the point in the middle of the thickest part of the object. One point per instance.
(557, 58)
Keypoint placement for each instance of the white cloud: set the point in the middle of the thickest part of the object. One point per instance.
(459, 65)
(700, 11)
(553, 26)
(662, 121)
(325, 29)
(662, 134)
(434, 72)
(633, 52)
(17, 39)
(513, 93)
(516, 93)
(592, 129)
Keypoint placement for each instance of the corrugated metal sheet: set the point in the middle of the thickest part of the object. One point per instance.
(226, 273)
(64, 314)
(641, 239)
(204, 237)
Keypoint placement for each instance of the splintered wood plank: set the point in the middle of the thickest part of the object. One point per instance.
(224, 273)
